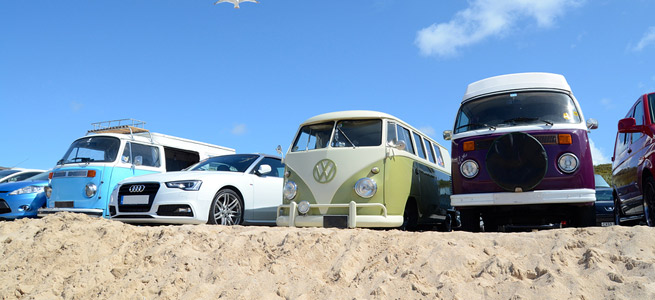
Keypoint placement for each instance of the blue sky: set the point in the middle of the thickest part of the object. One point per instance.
(245, 78)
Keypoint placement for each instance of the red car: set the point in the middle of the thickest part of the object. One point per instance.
(633, 164)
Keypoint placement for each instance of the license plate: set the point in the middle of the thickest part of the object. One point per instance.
(135, 199)
(606, 224)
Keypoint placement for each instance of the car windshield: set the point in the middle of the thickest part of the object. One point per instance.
(358, 133)
(92, 149)
(315, 136)
(4, 173)
(39, 177)
(229, 163)
(600, 181)
(513, 109)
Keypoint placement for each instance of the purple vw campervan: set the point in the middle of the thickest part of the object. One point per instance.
(521, 156)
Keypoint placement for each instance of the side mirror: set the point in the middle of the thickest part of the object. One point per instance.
(264, 169)
(447, 135)
(592, 123)
(278, 149)
(628, 125)
(400, 145)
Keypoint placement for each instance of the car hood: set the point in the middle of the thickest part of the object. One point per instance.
(12, 186)
(180, 175)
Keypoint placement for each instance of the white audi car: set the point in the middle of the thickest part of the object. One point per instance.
(229, 190)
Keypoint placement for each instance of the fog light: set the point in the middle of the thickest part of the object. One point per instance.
(469, 169)
(48, 191)
(568, 163)
(289, 190)
(366, 187)
(90, 189)
(24, 208)
(303, 207)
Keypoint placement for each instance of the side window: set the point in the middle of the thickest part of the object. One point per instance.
(142, 155)
(404, 135)
(437, 151)
(277, 168)
(428, 148)
(651, 106)
(419, 145)
(639, 119)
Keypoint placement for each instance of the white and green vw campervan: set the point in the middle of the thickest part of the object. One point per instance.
(365, 169)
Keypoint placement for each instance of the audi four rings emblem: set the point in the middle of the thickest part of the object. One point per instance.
(137, 188)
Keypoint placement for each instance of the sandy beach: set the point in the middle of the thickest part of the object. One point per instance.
(73, 256)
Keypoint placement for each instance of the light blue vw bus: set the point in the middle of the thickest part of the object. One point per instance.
(84, 178)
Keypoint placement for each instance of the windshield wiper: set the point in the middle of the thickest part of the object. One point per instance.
(81, 159)
(526, 119)
(491, 127)
(60, 162)
(346, 136)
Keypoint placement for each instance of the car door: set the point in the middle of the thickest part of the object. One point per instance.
(267, 189)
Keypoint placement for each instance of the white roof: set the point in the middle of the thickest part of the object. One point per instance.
(518, 81)
(349, 114)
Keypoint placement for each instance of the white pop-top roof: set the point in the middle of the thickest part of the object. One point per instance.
(349, 114)
(518, 81)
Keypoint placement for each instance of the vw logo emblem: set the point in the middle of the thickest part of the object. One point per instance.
(137, 188)
(324, 171)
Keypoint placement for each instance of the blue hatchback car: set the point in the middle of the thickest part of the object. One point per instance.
(22, 199)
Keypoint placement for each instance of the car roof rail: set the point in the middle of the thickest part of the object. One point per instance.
(122, 126)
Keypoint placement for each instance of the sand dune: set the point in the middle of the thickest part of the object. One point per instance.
(78, 257)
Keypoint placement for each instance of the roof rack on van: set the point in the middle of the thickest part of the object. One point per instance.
(123, 126)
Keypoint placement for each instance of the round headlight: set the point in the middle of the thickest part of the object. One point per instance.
(303, 207)
(568, 163)
(90, 189)
(469, 168)
(366, 187)
(48, 191)
(289, 190)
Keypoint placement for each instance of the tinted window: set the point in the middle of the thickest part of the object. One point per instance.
(403, 135)
(428, 148)
(513, 109)
(231, 163)
(92, 149)
(142, 155)
(639, 119)
(39, 177)
(419, 145)
(316, 136)
(651, 105)
(20, 177)
(357, 133)
(4, 173)
(437, 151)
(277, 168)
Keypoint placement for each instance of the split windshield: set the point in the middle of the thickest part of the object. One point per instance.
(92, 149)
(346, 133)
(515, 109)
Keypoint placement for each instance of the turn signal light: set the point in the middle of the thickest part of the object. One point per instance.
(91, 173)
(564, 139)
(50, 175)
(469, 146)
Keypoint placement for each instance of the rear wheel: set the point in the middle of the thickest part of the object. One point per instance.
(410, 217)
(649, 201)
(470, 220)
(226, 208)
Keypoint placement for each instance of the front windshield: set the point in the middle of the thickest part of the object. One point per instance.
(358, 133)
(92, 149)
(230, 163)
(315, 136)
(39, 177)
(512, 109)
(600, 181)
(4, 173)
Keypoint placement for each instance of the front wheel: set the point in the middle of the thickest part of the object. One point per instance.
(410, 217)
(649, 201)
(470, 220)
(226, 208)
(447, 225)
(617, 212)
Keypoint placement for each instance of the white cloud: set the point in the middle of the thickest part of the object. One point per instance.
(487, 18)
(239, 129)
(646, 40)
(607, 103)
(76, 106)
(428, 130)
(597, 155)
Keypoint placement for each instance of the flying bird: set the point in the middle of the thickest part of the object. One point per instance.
(235, 2)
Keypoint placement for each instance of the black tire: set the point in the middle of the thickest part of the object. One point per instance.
(226, 208)
(447, 225)
(617, 212)
(490, 224)
(470, 220)
(410, 217)
(649, 201)
(585, 216)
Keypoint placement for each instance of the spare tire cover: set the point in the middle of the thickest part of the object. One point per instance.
(516, 160)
